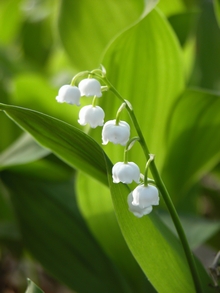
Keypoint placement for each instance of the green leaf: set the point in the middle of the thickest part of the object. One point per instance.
(22, 151)
(192, 143)
(32, 287)
(67, 142)
(145, 65)
(86, 27)
(54, 232)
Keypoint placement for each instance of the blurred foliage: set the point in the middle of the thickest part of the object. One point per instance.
(169, 60)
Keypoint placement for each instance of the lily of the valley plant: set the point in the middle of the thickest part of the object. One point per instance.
(146, 195)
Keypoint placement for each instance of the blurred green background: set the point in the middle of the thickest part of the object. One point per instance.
(43, 44)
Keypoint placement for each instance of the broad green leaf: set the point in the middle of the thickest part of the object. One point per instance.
(22, 151)
(67, 142)
(86, 27)
(32, 287)
(156, 249)
(192, 144)
(54, 232)
(145, 65)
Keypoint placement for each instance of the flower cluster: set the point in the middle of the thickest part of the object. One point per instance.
(89, 87)
(144, 196)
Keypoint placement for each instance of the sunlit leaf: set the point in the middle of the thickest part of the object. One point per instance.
(86, 27)
(145, 65)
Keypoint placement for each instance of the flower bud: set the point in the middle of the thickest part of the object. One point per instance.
(137, 210)
(125, 172)
(145, 196)
(69, 94)
(90, 87)
(117, 134)
(92, 115)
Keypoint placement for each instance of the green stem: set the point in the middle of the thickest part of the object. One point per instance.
(164, 192)
(151, 158)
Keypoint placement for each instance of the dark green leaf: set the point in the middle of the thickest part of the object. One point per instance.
(54, 232)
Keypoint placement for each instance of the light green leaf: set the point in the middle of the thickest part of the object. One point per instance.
(86, 27)
(145, 65)
(193, 146)
(22, 151)
(67, 142)
(33, 288)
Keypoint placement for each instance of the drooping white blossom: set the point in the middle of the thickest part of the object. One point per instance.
(117, 134)
(92, 115)
(137, 210)
(125, 172)
(90, 87)
(69, 94)
(145, 196)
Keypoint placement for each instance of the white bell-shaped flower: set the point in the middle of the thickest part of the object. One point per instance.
(92, 115)
(125, 172)
(118, 134)
(69, 94)
(90, 87)
(137, 210)
(145, 196)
